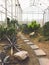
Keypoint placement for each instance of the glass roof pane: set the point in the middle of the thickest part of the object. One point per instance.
(29, 8)
(43, 4)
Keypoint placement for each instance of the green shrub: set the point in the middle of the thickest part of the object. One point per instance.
(43, 39)
(13, 22)
(2, 31)
(33, 26)
(25, 28)
(46, 29)
(10, 31)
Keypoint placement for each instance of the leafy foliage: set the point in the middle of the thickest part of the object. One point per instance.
(1, 31)
(13, 22)
(25, 28)
(44, 32)
(6, 31)
(9, 30)
(32, 27)
(8, 22)
(46, 29)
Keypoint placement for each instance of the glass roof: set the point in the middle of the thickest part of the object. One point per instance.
(34, 4)
(30, 8)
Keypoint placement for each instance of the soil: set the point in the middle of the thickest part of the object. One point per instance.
(31, 60)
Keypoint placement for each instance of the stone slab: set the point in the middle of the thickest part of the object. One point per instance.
(26, 40)
(43, 61)
(34, 47)
(21, 55)
(30, 43)
(23, 37)
(39, 52)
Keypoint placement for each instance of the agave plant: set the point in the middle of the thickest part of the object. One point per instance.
(6, 59)
(12, 45)
(3, 58)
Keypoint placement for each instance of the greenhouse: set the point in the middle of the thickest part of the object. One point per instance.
(24, 32)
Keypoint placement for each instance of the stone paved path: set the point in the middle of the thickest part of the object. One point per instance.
(39, 52)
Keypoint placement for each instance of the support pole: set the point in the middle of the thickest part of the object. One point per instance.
(6, 11)
(43, 19)
(15, 9)
(11, 9)
(1, 17)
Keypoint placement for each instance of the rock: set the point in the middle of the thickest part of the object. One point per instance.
(31, 34)
(21, 55)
